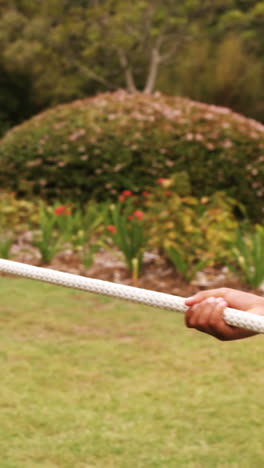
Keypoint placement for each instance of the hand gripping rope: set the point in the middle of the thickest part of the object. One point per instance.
(141, 296)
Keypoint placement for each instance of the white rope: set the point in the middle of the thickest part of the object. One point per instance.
(142, 296)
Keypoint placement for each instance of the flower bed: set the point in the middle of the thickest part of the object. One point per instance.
(160, 239)
(157, 273)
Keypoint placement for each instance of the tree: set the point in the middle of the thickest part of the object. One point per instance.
(111, 42)
(15, 99)
(137, 38)
(246, 20)
(68, 49)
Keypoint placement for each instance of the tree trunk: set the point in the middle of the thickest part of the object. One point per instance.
(154, 66)
(153, 72)
(130, 83)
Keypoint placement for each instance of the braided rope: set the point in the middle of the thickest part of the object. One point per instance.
(141, 296)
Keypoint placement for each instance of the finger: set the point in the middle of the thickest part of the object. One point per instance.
(202, 295)
(221, 330)
(208, 317)
(204, 311)
(218, 327)
(198, 315)
(189, 316)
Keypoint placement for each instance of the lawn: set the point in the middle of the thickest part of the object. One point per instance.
(89, 381)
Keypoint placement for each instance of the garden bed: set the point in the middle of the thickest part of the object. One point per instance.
(157, 273)
(191, 233)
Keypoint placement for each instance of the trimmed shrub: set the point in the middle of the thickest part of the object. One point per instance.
(97, 147)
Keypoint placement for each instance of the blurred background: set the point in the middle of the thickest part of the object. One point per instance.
(59, 50)
(132, 151)
(154, 106)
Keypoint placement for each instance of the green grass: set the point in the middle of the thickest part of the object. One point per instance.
(88, 381)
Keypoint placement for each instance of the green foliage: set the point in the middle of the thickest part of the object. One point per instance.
(92, 45)
(6, 242)
(226, 74)
(54, 51)
(188, 271)
(15, 99)
(87, 256)
(16, 214)
(196, 229)
(192, 232)
(126, 229)
(46, 238)
(61, 226)
(248, 252)
(78, 224)
(101, 146)
(81, 227)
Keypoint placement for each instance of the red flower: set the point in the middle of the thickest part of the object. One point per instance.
(60, 210)
(124, 194)
(145, 194)
(130, 217)
(139, 214)
(111, 228)
(161, 180)
(127, 193)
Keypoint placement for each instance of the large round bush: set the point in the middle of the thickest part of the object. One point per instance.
(98, 146)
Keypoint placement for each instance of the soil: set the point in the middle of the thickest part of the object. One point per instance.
(157, 273)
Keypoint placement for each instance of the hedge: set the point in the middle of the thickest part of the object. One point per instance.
(99, 146)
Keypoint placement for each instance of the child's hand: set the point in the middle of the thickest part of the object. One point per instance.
(206, 309)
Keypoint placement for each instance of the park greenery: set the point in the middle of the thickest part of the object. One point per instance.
(100, 147)
(97, 147)
(60, 50)
(190, 232)
(133, 131)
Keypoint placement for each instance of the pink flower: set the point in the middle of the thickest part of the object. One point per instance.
(227, 144)
(139, 214)
(111, 228)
